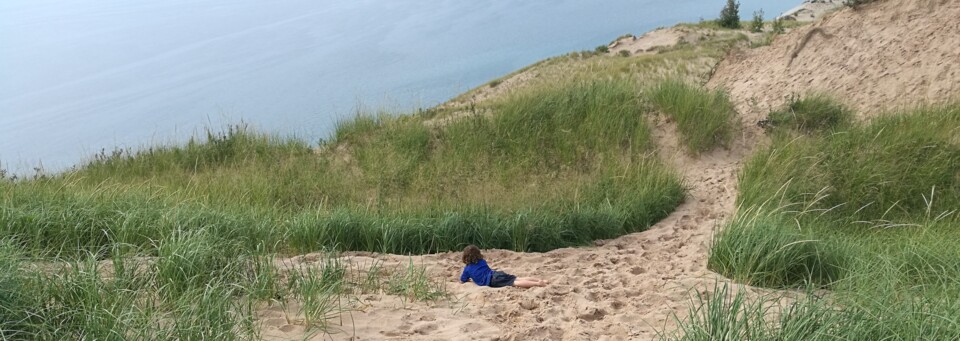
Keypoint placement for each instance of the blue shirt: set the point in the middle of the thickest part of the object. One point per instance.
(479, 272)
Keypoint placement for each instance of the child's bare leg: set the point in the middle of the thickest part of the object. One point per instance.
(533, 279)
(527, 283)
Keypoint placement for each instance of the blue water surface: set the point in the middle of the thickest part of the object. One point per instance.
(78, 76)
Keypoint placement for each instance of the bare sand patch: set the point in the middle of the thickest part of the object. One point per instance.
(882, 56)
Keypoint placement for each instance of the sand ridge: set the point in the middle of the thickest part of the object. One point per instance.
(884, 55)
(651, 41)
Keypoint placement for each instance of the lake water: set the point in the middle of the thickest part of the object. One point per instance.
(77, 76)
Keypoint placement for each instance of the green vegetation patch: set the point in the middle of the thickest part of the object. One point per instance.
(705, 119)
(762, 250)
(550, 167)
(196, 290)
(729, 314)
(869, 212)
(814, 113)
(899, 166)
(178, 242)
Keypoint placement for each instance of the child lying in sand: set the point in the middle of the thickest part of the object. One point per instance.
(476, 269)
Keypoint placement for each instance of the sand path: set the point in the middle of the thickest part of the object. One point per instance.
(621, 289)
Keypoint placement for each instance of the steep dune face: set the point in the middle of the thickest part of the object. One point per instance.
(879, 56)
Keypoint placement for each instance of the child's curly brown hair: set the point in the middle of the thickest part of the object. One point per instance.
(471, 254)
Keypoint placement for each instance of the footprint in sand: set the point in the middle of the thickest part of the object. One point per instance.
(592, 314)
(616, 305)
(425, 328)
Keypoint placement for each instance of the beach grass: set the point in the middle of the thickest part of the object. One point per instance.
(704, 118)
(211, 296)
(555, 167)
(180, 242)
(812, 113)
(861, 217)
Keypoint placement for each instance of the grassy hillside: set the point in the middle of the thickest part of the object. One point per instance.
(559, 166)
(178, 242)
(868, 211)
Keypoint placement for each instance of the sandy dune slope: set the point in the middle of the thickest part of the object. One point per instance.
(883, 55)
(886, 54)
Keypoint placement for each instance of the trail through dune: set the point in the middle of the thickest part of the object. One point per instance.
(621, 289)
(882, 55)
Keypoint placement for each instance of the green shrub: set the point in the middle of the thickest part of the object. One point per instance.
(777, 26)
(756, 26)
(730, 15)
(602, 49)
(704, 118)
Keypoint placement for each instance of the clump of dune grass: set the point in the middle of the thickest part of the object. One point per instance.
(728, 314)
(236, 144)
(211, 296)
(900, 165)
(814, 113)
(189, 260)
(87, 299)
(414, 283)
(762, 249)
(16, 301)
(725, 312)
(705, 118)
(50, 220)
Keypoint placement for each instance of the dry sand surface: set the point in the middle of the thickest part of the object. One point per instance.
(654, 41)
(881, 55)
(810, 10)
(649, 42)
(884, 55)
